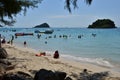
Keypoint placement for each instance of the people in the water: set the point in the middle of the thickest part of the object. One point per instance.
(3, 41)
(93, 34)
(25, 43)
(38, 36)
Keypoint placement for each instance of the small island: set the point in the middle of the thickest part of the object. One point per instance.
(44, 25)
(102, 23)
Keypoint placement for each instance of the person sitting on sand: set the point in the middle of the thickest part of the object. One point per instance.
(56, 54)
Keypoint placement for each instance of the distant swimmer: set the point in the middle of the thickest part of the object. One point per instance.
(94, 35)
(54, 36)
(45, 42)
(25, 43)
(79, 36)
(38, 36)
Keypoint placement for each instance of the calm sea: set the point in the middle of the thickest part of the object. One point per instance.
(96, 46)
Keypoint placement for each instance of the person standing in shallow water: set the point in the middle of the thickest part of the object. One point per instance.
(11, 41)
(56, 54)
(25, 43)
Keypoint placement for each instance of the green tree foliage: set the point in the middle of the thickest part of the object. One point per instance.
(102, 23)
(74, 3)
(10, 8)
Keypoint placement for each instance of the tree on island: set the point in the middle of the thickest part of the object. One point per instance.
(102, 23)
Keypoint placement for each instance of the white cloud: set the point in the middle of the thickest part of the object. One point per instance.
(64, 16)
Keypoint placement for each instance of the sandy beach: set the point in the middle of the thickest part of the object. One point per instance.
(26, 61)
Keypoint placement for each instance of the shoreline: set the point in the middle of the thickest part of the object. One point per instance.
(26, 61)
(95, 61)
(68, 58)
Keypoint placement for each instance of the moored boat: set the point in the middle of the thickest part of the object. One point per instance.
(36, 31)
(23, 34)
(18, 34)
(49, 31)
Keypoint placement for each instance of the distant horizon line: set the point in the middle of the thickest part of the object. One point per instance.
(52, 27)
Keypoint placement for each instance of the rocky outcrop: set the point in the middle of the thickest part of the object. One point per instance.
(44, 25)
(95, 76)
(102, 23)
(3, 53)
(44, 74)
(17, 76)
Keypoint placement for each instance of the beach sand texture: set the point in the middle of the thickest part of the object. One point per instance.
(25, 60)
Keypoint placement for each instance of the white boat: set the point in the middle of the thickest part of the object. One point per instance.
(48, 31)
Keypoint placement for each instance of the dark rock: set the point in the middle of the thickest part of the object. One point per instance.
(61, 75)
(68, 78)
(99, 76)
(44, 74)
(96, 76)
(3, 53)
(17, 76)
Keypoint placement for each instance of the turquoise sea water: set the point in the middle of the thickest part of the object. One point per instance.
(102, 49)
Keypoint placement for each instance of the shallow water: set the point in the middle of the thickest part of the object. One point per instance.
(102, 48)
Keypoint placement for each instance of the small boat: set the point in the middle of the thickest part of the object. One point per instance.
(13, 30)
(27, 34)
(36, 31)
(23, 34)
(18, 34)
(49, 31)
